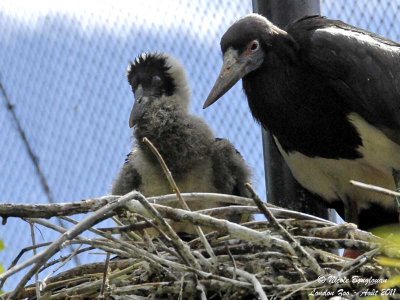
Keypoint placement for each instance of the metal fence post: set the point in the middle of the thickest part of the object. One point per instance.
(282, 188)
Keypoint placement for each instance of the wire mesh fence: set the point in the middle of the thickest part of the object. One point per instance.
(62, 70)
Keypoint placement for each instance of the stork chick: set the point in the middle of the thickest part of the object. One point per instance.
(197, 160)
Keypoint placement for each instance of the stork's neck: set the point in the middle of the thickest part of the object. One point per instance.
(300, 109)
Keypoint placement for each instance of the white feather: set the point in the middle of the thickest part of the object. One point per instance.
(178, 73)
(330, 178)
(362, 37)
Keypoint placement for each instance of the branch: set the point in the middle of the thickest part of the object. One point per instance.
(302, 253)
(179, 245)
(253, 279)
(48, 211)
(89, 221)
(235, 230)
(374, 188)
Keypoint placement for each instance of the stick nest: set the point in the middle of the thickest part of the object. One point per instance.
(290, 255)
(285, 256)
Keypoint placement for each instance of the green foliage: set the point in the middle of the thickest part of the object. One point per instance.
(391, 239)
(389, 233)
(2, 246)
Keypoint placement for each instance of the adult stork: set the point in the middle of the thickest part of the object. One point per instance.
(329, 93)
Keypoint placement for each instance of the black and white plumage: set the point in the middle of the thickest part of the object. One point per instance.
(330, 95)
(197, 160)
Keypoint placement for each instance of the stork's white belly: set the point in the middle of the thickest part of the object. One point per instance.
(330, 178)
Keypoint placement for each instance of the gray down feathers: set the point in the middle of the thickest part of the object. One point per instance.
(197, 160)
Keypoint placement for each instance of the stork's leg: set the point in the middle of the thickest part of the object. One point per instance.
(396, 177)
(351, 216)
(350, 211)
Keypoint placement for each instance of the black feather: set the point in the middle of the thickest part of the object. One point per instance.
(145, 67)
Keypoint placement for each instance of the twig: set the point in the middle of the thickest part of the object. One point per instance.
(200, 287)
(37, 284)
(201, 197)
(253, 279)
(22, 252)
(181, 288)
(229, 290)
(65, 259)
(239, 209)
(179, 245)
(94, 285)
(233, 262)
(129, 227)
(48, 211)
(235, 230)
(147, 239)
(128, 234)
(374, 188)
(181, 201)
(327, 243)
(89, 221)
(302, 253)
(105, 283)
(64, 262)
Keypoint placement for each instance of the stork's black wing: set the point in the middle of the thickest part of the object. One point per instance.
(360, 66)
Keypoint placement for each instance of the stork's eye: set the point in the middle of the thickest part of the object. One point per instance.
(254, 46)
(156, 81)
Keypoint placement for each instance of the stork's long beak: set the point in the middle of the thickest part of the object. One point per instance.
(233, 69)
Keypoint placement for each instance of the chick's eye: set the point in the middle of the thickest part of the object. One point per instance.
(156, 80)
(254, 46)
(134, 82)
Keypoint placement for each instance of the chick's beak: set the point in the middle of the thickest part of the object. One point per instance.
(233, 69)
(137, 108)
(132, 117)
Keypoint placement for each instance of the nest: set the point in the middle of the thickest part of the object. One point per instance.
(289, 255)
(285, 256)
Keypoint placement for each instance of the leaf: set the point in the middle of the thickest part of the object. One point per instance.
(390, 234)
(391, 282)
(388, 262)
